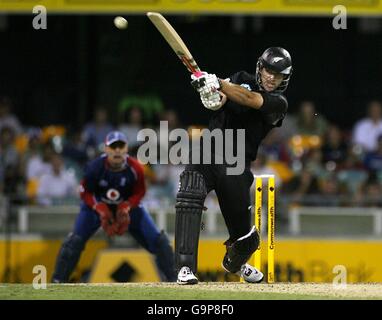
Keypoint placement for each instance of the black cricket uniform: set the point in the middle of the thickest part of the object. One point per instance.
(233, 191)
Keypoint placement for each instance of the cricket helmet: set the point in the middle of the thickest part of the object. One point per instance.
(278, 60)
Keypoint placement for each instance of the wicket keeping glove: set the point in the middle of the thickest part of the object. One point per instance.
(123, 217)
(106, 216)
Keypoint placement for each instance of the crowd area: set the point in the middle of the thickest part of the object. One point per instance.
(315, 162)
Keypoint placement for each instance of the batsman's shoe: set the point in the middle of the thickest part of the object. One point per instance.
(186, 276)
(250, 274)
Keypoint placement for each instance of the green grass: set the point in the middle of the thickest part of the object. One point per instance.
(139, 292)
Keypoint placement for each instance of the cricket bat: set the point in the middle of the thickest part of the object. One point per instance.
(175, 42)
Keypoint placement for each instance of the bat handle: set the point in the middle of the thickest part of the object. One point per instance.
(198, 74)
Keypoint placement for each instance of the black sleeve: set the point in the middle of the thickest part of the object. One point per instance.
(238, 78)
(234, 78)
(241, 77)
(274, 108)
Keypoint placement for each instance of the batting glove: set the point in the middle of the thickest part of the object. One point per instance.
(206, 83)
(198, 81)
(212, 101)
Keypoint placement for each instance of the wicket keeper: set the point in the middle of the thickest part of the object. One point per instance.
(111, 191)
(256, 104)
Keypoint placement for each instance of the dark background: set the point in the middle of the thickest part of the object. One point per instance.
(59, 75)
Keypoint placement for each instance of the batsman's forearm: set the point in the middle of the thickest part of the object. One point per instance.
(241, 95)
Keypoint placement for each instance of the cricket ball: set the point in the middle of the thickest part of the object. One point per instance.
(120, 22)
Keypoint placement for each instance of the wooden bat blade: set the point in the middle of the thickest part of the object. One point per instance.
(174, 40)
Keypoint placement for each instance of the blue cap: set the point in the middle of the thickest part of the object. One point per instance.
(115, 136)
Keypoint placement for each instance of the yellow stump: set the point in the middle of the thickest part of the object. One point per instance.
(257, 213)
(271, 230)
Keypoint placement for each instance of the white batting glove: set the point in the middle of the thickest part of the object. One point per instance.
(212, 84)
(198, 82)
(212, 101)
(205, 84)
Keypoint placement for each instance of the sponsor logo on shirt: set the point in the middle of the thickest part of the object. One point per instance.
(246, 86)
(113, 194)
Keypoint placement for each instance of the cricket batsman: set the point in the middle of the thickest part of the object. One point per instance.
(111, 191)
(256, 104)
